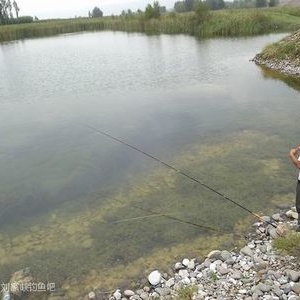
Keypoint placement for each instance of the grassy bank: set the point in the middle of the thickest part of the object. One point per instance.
(217, 23)
(286, 49)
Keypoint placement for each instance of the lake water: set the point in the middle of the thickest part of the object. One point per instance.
(70, 198)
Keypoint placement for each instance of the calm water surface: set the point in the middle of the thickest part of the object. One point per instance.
(165, 94)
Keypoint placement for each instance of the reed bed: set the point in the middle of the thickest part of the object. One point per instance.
(217, 23)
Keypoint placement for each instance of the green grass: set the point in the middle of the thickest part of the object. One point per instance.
(187, 293)
(289, 244)
(286, 49)
(241, 22)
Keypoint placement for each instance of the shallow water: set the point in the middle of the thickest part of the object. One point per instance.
(200, 105)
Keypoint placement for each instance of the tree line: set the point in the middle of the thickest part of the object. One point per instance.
(6, 11)
(9, 13)
(154, 10)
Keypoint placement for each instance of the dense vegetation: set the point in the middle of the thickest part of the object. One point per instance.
(201, 23)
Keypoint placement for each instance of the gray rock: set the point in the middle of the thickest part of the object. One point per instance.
(260, 266)
(255, 296)
(191, 265)
(286, 288)
(263, 248)
(283, 280)
(264, 287)
(276, 217)
(144, 296)
(237, 275)
(247, 267)
(277, 291)
(223, 271)
(292, 275)
(230, 261)
(183, 273)
(129, 293)
(296, 288)
(273, 233)
(186, 280)
(247, 251)
(292, 214)
(294, 297)
(154, 295)
(163, 291)
(170, 282)
(201, 295)
(225, 255)
(266, 219)
(206, 263)
(117, 295)
(139, 291)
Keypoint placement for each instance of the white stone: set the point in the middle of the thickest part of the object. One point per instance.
(154, 278)
(185, 262)
(129, 293)
(292, 214)
(117, 294)
(179, 266)
(213, 267)
(193, 280)
(201, 294)
(92, 295)
(186, 280)
(170, 282)
(251, 245)
(183, 273)
(191, 265)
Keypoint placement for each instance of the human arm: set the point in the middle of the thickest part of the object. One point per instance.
(294, 153)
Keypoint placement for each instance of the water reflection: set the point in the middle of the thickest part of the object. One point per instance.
(200, 105)
(292, 81)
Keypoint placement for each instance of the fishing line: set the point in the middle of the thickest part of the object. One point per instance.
(155, 213)
(137, 218)
(198, 181)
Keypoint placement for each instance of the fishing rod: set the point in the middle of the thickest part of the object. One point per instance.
(192, 178)
(156, 214)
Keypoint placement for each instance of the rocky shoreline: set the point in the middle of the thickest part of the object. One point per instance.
(282, 56)
(283, 66)
(255, 271)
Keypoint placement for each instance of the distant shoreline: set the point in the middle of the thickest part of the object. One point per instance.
(221, 23)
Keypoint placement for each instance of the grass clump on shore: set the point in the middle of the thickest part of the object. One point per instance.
(286, 49)
(187, 293)
(289, 244)
(201, 23)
